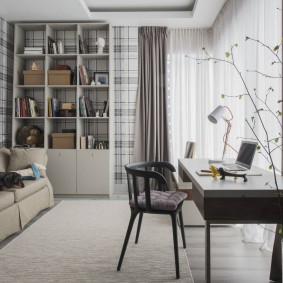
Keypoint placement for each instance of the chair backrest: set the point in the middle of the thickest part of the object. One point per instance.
(190, 149)
(148, 175)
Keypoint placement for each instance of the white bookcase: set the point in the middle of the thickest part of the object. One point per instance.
(71, 171)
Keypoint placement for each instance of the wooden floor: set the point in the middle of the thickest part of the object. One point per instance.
(232, 261)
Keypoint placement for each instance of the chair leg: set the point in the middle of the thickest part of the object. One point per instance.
(139, 227)
(182, 228)
(127, 237)
(175, 239)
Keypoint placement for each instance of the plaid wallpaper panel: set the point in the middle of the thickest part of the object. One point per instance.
(6, 82)
(125, 91)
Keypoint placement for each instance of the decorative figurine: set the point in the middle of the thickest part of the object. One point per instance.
(92, 82)
(35, 67)
(224, 173)
(100, 45)
(221, 172)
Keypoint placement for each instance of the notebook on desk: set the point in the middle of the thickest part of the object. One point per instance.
(244, 159)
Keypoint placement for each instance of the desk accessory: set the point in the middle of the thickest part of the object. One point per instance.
(214, 117)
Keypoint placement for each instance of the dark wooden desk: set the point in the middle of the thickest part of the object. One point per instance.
(231, 201)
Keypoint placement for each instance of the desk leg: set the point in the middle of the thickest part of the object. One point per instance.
(207, 252)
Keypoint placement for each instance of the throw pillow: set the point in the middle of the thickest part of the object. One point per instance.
(4, 158)
(22, 158)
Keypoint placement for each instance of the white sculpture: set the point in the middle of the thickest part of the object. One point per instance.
(100, 45)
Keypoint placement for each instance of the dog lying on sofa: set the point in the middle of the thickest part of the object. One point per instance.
(10, 180)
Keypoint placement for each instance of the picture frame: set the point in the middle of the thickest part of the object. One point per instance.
(101, 77)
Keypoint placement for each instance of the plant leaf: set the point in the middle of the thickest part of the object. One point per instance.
(240, 96)
(261, 109)
(227, 54)
(270, 167)
(279, 101)
(258, 147)
(276, 140)
(276, 48)
(222, 95)
(280, 230)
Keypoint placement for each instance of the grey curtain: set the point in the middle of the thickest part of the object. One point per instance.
(151, 141)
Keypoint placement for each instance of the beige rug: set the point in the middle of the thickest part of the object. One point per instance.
(81, 241)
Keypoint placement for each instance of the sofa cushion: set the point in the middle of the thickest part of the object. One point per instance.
(4, 158)
(6, 199)
(30, 188)
(22, 158)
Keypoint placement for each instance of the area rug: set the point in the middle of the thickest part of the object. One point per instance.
(81, 241)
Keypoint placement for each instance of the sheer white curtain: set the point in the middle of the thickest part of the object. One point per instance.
(258, 19)
(196, 89)
(190, 91)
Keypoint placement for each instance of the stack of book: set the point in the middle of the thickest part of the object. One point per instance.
(87, 142)
(53, 107)
(83, 48)
(86, 108)
(54, 47)
(26, 107)
(34, 50)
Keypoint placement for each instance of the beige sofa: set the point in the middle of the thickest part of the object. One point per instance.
(19, 206)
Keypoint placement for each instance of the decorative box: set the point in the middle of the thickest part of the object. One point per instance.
(35, 77)
(59, 77)
(63, 140)
(67, 105)
(67, 112)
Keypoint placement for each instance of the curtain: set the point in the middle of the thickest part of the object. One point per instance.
(258, 19)
(151, 133)
(6, 82)
(190, 92)
(196, 88)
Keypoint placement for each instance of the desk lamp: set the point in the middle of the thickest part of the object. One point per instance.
(213, 117)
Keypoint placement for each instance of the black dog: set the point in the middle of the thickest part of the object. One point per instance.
(10, 180)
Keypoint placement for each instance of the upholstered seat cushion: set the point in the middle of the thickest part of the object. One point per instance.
(6, 199)
(30, 188)
(161, 200)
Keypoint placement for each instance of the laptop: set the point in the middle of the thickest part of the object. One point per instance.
(244, 159)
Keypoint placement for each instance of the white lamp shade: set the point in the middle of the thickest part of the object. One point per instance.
(216, 114)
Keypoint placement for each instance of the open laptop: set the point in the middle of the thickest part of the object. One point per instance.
(244, 159)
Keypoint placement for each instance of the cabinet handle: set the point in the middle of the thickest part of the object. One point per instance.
(59, 154)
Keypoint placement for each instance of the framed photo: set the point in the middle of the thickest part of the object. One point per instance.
(101, 77)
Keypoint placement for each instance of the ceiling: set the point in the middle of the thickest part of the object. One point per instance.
(171, 13)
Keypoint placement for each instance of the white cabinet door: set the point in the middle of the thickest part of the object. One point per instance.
(61, 170)
(93, 171)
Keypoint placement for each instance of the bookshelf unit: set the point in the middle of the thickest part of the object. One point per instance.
(84, 170)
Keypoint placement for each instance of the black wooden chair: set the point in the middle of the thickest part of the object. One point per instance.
(149, 193)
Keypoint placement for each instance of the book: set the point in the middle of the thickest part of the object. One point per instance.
(83, 142)
(106, 110)
(85, 72)
(82, 76)
(55, 107)
(50, 42)
(89, 108)
(49, 107)
(34, 108)
(83, 48)
(83, 112)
